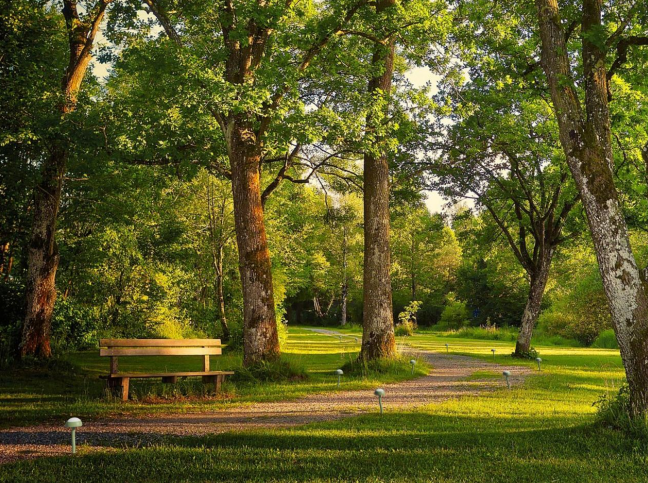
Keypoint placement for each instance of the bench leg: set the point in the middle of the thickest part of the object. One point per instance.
(170, 379)
(121, 384)
(216, 380)
(125, 385)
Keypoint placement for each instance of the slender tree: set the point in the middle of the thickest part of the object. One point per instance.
(503, 157)
(218, 213)
(262, 77)
(43, 257)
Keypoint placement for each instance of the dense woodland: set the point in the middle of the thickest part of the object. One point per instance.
(181, 169)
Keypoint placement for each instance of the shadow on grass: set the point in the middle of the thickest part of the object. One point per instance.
(406, 447)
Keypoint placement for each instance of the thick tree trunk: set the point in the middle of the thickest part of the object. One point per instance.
(43, 258)
(532, 308)
(259, 323)
(378, 318)
(588, 148)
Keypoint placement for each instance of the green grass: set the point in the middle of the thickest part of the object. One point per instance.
(28, 396)
(541, 431)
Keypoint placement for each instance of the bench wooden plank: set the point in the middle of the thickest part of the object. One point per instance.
(160, 343)
(120, 382)
(161, 351)
(167, 374)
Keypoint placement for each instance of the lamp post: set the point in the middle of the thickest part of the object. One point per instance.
(538, 360)
(413, 363)
(493, 351)
(506, 375)
(380, 393)
(447, 350)
(339, 373)
(73, 423)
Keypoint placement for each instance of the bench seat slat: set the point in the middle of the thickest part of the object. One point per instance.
(160, 343)
(168, 374)
(160, 351)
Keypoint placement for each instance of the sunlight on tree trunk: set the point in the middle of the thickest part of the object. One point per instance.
(585, 138)
(378, 318)
(261, 341)
(43, 257)
(534, 302)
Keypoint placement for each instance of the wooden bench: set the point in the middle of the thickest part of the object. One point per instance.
(115, 348)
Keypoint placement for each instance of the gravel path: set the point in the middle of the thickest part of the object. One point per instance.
(447, 379)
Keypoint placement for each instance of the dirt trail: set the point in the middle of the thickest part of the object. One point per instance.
(447, 379)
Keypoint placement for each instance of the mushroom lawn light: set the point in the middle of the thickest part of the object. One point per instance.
(506, 375)
(73, 423)
(339, 373)
(493, 351)
(538, 360)
(447, 349)
(380, 393)
(413, 363)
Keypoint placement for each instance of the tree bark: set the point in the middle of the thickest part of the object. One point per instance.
(261, 341)
(413, 269)
(378, 319)
(345, 282)
(43, 259)
(43, 256)
(221, 295)
(534, 302)
(585, 138)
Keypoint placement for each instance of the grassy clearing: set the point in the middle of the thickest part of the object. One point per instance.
(540, 432)
(73, 386)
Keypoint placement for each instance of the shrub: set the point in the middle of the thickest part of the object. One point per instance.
(613, 410)
(407, 319)
(454, 315)
(404, 329)
(606, 340)
(74, 326)
(282, 333)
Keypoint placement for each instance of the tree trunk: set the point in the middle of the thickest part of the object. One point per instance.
(413, 269)
(345, 283)
(220, 295)
(588, 148)
(43, 258)
(534, 302)
(378, 318)
(261, 341)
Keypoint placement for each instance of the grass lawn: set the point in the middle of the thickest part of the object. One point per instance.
(542, 431)
(31, 396)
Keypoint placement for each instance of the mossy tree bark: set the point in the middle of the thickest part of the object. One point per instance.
(585, 135)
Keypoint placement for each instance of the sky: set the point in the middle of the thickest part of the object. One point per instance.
(419, 77)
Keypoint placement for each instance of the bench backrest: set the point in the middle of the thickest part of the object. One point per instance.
(114, 348)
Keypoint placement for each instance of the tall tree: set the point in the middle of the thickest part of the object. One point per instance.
(585, 135)
(378, 319)
(256, 61)
(43, 258)
(501, 154)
